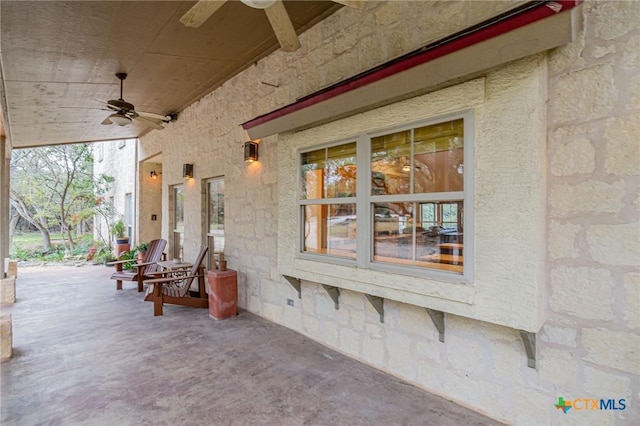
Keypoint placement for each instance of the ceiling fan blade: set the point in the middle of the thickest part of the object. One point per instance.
(200, 12)
(356, 4)
(147, 122)
(152, 115)
(107, 121)
(283, 27)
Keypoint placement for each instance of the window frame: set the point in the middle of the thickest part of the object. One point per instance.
(364, 202)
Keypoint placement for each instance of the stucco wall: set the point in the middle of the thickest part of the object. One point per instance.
(588, 346)
(117, 159)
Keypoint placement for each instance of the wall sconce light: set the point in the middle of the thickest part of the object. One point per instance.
(187, 171)
(154, 174)
(250, 151)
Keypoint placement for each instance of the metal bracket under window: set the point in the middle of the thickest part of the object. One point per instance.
(378, 305)
(529, 341)
(334, 293)
(295, 283)
(438, 320)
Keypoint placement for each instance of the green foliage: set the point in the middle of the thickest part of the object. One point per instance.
(118, 229)
(54, 186)
(142, 248)
(128, 255)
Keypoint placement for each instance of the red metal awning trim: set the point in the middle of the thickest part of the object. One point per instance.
(501, 24)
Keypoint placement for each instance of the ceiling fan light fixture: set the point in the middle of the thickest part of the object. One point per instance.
(259, 4)
(120, 120)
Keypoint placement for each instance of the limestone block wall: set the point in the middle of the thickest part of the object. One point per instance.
(149, 202)
(588, 346)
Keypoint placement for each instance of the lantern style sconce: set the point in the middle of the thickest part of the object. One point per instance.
(187, 171)
(250, 151)
(154, 174)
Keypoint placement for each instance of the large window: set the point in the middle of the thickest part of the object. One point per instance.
(412, 212)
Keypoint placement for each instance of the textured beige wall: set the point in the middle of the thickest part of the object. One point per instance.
(119, 161)
(587, 348)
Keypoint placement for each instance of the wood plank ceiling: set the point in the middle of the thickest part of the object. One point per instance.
(57, 57)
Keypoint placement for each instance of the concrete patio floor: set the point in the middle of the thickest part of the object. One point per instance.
(86, 354)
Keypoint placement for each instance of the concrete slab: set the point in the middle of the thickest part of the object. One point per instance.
(86, 354)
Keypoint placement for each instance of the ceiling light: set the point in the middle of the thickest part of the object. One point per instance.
(119, 119)
(259, 4)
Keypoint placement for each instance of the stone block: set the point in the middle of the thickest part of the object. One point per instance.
(414, 320)
(614, 244)
(402, 355)
(605, 383)
(632, 299)
(615, 19)
(562, 240)
(558, 335)
(591, 196)
(573, 103)
(7, 290)
(557, 366)
(350, 341)
(582, 292)
(623, 145)
(466, 354)
(6, 338)
(508, 361)
(11, 268)
(573, 158)
(533, 407)
(329, 333)
(373, 351)
(614, 349)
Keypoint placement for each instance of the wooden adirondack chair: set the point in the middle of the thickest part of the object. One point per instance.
(141, 270)
(172, 286)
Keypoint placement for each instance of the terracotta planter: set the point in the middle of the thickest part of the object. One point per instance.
(140, 256)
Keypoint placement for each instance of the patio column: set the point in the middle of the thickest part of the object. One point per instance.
(5, 151)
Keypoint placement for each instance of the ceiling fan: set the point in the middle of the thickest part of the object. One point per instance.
(275, 10)
(124, 112)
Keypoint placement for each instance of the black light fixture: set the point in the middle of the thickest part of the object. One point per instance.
(187, 171)
(250, 151)
(154, 174)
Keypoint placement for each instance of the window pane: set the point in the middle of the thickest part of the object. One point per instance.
(178, 208)
(426, 241)
(439, 157)
(329, 172)
(330, 229)
(312, 179)
(215, 215)
(391, 164)
(393, 231)
(340, 172)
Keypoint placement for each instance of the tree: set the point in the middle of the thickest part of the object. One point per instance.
(54, 187)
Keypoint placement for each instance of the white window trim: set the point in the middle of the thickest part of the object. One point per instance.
(363, 200)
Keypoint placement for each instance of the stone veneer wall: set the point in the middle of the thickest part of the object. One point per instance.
(588, 347)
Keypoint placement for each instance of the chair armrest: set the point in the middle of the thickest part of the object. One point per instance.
(120, 262)
(145, 263)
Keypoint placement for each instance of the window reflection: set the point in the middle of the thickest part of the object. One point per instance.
(330, 229)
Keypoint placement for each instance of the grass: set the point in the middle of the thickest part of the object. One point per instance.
(29, 247)
(32, 241)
